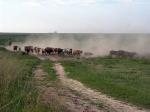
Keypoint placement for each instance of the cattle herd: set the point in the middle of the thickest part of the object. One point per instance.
(49, 51)
(69, 52)
(122, 53)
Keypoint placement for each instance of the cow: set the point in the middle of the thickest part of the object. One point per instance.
(43, 52)
(122, 53)
(49, 50)
(70, 51)
(60, 51)
(28, 49)
(35, 49)
(77, 52)
(55, 50)
(38, 50)
(19, 49)
(67, 51)
(15, 48)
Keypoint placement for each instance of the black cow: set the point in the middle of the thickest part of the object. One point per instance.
(60, 51)
(28, 49)
(49, 50)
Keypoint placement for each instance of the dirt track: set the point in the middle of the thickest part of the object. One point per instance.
(62, 96)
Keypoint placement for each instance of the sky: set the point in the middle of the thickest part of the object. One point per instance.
(75, 16)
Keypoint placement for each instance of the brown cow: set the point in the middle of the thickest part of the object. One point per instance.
(77, 52)
(55, 50)
(43, 51)
(39, 49)
(15, 48)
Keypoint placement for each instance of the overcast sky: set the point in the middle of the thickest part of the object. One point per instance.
(75, 16)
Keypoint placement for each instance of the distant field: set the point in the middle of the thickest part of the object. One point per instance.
(6, 38)
(125, 79)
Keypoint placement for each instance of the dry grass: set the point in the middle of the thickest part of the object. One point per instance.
(18, 92)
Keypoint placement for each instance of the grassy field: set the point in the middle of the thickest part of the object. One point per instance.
(124, 79)
(6, 38)
(18, 92)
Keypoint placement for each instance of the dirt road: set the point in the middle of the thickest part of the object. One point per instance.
(61, 97)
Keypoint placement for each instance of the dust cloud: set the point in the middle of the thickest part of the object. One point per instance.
(98, 44)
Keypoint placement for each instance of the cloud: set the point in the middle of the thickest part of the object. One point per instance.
(32, 3)
(58, 2)
(72, 2)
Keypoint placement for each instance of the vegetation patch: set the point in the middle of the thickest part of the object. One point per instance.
(17, 88)
(48, 67)
(5, 39)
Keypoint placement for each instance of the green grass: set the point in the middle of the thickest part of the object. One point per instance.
(6, 38)
(48, 67)
(18, 92)
(124, 79)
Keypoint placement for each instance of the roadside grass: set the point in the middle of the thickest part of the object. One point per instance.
(122, 78)
(47, 66)
(18, 92)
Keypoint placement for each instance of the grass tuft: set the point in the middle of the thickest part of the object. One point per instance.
(48, 67)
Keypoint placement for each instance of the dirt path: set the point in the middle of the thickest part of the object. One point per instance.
(61, 97)
(109, 103)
